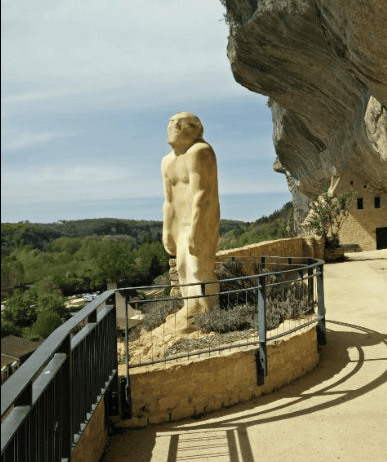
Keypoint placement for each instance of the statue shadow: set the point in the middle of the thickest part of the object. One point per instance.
(232, 426)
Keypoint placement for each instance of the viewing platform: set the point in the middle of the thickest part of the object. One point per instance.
(336, 412)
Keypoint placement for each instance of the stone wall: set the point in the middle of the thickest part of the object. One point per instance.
(185, 388)
(93, 439)
(292, 247)
(360, 227)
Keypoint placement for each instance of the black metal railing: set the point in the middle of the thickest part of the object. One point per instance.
(270, 281)
(48, 401)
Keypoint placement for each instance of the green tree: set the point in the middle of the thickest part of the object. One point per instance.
(23, 309)
(51, 302)
(113, 261)
(20, 312)
(12, 271)
(47, 286)
(328, 214)
(46, 323)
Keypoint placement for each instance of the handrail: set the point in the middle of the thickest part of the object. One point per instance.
(52, 396)
(308, 270)
(316, 263)
(19, 380)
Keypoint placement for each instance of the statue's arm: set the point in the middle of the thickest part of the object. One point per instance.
(168, 212)
(203, 179)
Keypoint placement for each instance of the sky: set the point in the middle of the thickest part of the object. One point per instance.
(87, 89)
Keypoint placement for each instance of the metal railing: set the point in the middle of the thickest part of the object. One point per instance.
(48, 401)
(274, 283)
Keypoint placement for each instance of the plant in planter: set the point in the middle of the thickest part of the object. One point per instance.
(328, 214)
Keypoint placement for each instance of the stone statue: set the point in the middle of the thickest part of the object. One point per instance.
(191, 209)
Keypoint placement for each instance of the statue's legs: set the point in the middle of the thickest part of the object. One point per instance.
(196, 269)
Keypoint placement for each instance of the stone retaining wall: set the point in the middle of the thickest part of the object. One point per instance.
(292, 247)
(186, 388)
(94, 438)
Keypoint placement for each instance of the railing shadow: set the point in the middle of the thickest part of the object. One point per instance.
(231, 425)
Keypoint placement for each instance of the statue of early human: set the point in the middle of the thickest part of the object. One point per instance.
(191, 209)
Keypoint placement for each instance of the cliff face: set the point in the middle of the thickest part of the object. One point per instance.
(323, 63)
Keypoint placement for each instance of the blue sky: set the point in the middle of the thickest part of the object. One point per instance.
(87, 90)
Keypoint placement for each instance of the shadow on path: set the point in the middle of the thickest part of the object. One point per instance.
(216, 439)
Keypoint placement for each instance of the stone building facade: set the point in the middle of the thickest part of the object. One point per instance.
(367, 222)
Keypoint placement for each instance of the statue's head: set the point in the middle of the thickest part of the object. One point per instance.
(184, 128)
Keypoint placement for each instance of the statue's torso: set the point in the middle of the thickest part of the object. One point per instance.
(179, 177)
(180, 172)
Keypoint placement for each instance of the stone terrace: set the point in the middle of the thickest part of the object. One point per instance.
(336, 412)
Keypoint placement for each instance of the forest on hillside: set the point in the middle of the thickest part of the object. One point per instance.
(41, 235)
(277, 225)
(73, 257)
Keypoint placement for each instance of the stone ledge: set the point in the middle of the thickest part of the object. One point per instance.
(180, 389)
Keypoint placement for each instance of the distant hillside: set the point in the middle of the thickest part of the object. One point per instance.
(233, 233)
(41, 235)
(277, 225)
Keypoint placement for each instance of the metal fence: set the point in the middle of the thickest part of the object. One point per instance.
(47, 403)
(269, 298)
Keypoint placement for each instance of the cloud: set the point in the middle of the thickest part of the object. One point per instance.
(15, 139)
(98, 54)
(112, 41)
(82, 182)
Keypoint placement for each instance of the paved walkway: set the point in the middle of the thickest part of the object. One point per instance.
(337, 412)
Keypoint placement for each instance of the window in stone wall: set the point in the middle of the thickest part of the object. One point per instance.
(360, 203)
(377, 202)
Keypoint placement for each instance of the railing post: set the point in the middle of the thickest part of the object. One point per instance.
(321, 330)
(125, 392)
(261, 354)
(310, 284)
(262, 263)
(66, 398)
(112, 391)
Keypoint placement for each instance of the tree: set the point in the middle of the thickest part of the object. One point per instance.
(23, 310)
(11, 272)
(19, 313)
(46, 323)
(51, 302)
(328, 214)
(47, 286)
(113, 261)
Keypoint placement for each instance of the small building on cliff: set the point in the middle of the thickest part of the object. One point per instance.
(366, 224)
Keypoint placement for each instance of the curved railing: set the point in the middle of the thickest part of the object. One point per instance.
(301, 275)
(48, 401)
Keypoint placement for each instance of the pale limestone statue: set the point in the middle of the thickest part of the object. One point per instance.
(191, 209)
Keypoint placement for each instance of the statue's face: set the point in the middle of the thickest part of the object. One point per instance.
(181, 129)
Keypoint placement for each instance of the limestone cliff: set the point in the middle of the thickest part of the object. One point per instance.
(323, 63)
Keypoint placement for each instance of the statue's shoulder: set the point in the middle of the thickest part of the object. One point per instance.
(201, 145)
(166, 161)
(201, 148)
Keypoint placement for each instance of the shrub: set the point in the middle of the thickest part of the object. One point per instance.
(158, 312)
(23, 309)
(219, 320)
(238, 311)
(167, 291)
(51, 302)
(328, 214)
(46, 323)
(19, 313)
